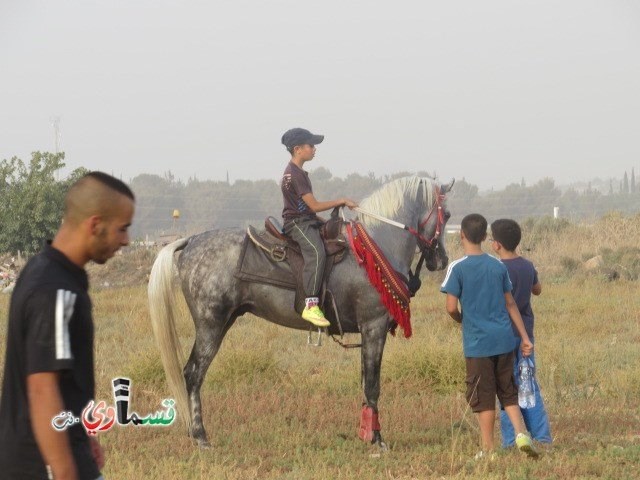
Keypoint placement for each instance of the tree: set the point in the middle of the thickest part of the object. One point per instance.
(320, 174)
(156, 199)
(464, 190)
(632, 187)
(32, 200)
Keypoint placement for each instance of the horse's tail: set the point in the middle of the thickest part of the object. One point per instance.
(162, 310)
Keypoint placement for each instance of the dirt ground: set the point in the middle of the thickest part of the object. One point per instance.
(131, 266)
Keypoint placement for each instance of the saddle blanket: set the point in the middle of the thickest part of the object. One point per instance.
(256, 265)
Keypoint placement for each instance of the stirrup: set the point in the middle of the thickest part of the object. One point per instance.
(318, 342)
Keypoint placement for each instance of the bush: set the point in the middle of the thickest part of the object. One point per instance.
(570, 265)
(540, 226)
(625, 259)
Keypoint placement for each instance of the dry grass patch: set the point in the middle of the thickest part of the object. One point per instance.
(275, 408)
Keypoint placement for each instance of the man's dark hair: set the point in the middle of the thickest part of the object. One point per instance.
(112, 182)
(474, 227)
(507, 232)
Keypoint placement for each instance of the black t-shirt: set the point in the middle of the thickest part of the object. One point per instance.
(50, 329)
(295, 183)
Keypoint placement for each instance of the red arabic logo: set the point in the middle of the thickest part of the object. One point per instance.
(96, 419)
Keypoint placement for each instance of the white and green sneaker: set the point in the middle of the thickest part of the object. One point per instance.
(524, 444)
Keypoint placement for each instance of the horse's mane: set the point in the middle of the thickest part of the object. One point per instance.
(388, 199)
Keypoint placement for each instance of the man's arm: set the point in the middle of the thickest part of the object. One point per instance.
(537, 289)
(317, 206)
(45, 402)
(526, 345)
(452, 308)
(97, 452)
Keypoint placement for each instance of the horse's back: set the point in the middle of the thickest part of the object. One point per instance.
(207, 268)
(208, 262)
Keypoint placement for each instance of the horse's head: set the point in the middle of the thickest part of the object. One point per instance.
(435, 254)
(402, 203)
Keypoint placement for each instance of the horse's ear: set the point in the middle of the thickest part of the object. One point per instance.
(447, 188)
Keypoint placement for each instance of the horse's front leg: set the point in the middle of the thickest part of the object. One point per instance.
(374, 336)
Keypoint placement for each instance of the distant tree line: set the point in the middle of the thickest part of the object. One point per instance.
(207, 204)
(32, 200)
(520, 201)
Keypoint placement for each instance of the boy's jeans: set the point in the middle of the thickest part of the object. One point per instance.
(535, 419)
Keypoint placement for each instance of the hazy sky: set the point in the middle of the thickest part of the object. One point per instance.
(491, 90)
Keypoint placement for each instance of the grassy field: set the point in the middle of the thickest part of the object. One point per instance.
(278, 409)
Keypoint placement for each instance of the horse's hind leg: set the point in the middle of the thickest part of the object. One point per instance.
(374, 336)
(209, 336)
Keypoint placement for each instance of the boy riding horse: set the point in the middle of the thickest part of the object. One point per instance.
(300, 220)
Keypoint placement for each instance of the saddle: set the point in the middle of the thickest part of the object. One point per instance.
(270, 257)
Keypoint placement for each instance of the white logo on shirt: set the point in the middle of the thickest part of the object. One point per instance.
(65, 301)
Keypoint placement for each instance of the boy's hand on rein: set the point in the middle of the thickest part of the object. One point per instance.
(349, 203)
(527, 348)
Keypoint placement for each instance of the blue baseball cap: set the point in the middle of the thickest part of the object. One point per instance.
(300, 136)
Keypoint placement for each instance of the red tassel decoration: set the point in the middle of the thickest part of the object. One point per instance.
(392, 289)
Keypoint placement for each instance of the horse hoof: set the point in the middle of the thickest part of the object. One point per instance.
(382, 446)
(377, 440)
(204, 444)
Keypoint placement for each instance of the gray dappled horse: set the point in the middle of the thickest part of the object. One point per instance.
(215, 297)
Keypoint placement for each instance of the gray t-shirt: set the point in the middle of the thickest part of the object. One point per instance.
(295, 183)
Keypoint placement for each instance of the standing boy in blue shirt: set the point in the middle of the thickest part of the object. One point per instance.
(524, 278)
(481, 284)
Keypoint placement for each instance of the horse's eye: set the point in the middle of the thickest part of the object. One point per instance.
(447, 215)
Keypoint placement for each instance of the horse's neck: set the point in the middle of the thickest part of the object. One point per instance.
(397, 244)
(408, 197)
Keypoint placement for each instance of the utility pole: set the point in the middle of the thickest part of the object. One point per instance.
(55, 123)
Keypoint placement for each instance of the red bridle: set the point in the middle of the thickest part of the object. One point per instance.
(438, 207)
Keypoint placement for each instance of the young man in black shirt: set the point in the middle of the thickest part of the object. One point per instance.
(49, 364)
(299, 214)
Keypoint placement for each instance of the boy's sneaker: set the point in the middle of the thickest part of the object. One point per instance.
(524, 444)
(315, 316)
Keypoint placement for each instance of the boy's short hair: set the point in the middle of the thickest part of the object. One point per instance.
(474, 227)
(507, 232)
